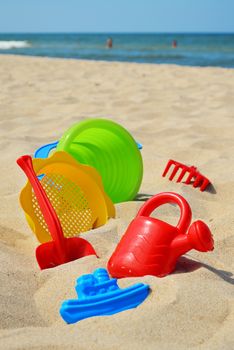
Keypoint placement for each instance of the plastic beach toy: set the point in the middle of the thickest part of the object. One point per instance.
(111, 150)
(151, 246)
(194, 175)
(60, 250)
(98, 295)
(75, 192)
(44, 151)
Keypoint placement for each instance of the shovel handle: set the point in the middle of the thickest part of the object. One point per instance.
(50, 216)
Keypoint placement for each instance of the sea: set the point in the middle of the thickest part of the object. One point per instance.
(215, 50)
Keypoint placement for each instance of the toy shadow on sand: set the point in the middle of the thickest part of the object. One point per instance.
(143, 197)
(211, 189)
(185, 265)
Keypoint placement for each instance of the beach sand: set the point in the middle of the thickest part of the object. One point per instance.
(181, 113)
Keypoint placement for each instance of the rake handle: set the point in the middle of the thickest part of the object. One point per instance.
(50, 216)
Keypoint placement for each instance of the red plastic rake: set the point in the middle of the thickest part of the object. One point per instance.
(194, 175)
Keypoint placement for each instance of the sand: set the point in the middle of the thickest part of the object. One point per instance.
(181, 113)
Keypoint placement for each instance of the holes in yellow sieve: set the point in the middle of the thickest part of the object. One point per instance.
(69, 202)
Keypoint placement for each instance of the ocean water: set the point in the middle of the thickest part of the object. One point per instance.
(192, 49)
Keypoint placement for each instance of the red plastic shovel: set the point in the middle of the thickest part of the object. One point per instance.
(61, 249)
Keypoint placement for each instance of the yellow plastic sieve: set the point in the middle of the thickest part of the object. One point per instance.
(75, 192)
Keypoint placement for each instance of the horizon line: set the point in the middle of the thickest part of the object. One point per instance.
(108, 33)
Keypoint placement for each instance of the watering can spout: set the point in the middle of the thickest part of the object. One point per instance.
(198, 237)
(179, 246)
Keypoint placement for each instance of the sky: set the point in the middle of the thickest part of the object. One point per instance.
(110, 16)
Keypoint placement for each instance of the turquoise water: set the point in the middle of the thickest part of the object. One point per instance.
(192, 49)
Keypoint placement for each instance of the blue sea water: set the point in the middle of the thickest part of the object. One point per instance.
(192, 49)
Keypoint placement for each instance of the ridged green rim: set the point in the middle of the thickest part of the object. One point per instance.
(109, 148)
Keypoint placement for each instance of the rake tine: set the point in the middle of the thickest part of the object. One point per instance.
(176, 168)
(183, 172)
(205, 183)
(189, 178)
(169, 163)
(197, 180)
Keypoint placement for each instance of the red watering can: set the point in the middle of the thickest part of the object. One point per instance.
(151, 246)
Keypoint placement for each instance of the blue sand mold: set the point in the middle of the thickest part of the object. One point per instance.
(98, 295)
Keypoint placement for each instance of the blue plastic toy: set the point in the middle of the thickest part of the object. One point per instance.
(99, 295)
(44, 151)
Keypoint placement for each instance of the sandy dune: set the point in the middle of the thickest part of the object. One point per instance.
(175, 112)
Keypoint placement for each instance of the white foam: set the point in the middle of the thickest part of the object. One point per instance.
(11, 44)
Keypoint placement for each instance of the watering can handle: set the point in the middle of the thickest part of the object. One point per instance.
(169, 197)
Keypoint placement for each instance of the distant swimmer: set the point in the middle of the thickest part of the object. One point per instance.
(109, 43)
(174, 44)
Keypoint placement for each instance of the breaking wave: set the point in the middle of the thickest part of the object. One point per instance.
(11, 44)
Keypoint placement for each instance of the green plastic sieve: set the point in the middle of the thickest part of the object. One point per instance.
(111, 150)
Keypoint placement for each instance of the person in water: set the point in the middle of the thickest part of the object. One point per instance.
(174, 44)
(109, 43)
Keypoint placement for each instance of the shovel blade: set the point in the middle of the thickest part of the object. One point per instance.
(74, 248)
